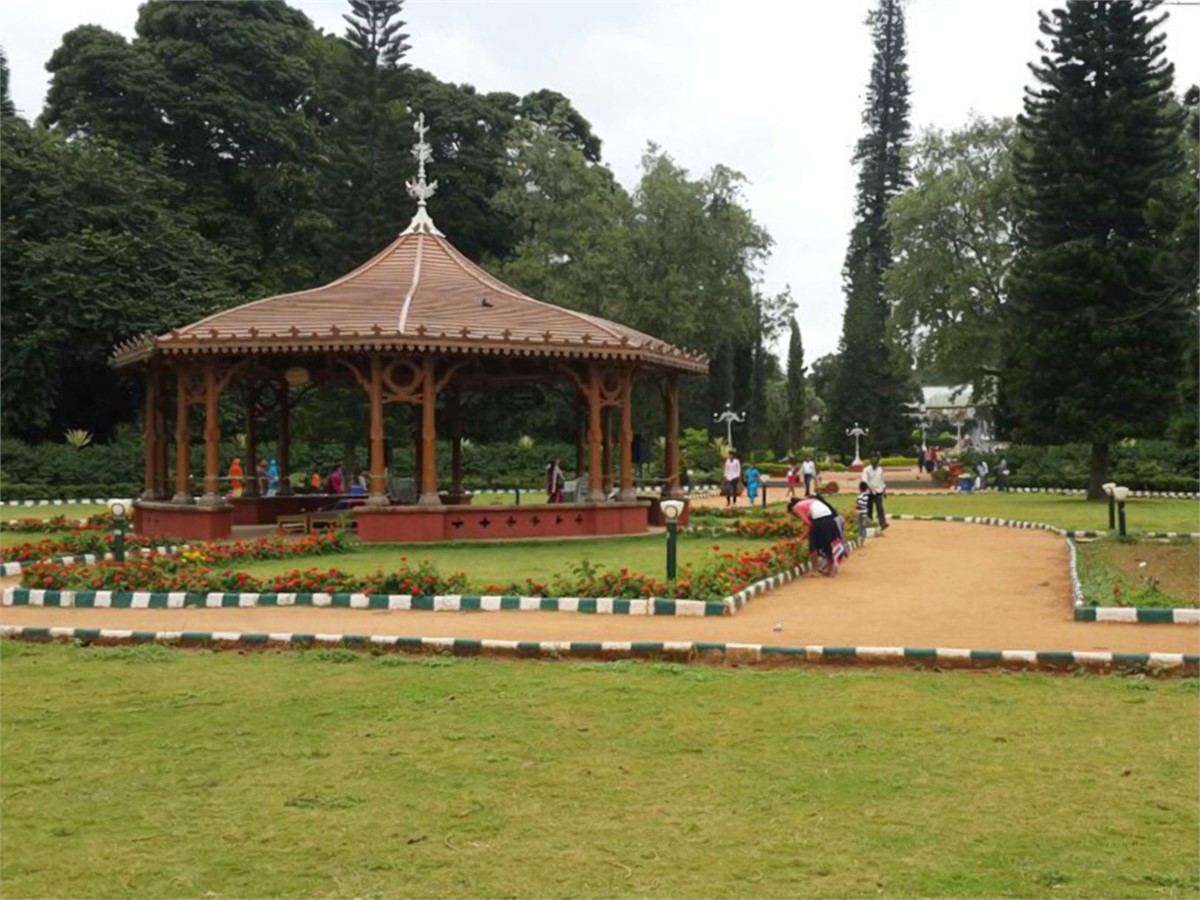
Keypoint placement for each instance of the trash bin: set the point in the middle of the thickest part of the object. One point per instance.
(965, 484)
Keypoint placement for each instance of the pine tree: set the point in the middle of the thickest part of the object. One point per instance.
(374, 32)
(1096, 322)
(869, 388)
(6, 105)
(796, 399)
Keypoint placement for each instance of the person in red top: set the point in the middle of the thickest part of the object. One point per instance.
(824, 532)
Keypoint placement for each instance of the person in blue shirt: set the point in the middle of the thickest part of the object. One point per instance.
(752, 481)
(272, 478)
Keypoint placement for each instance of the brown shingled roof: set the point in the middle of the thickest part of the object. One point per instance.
(419, 294)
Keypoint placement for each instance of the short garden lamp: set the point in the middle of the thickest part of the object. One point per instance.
(1120, 494)
(1112, 504)
(671, 510)
(117, 508)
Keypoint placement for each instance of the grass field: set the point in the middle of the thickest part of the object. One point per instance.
(509, 561)
(1142, 574)
(70, 510)
(147, 772)
(1143, 514)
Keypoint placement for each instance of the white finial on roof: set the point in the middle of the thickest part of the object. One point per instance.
(421, 189)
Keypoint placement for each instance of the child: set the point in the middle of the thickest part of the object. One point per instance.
(793, 477)
(861, 505)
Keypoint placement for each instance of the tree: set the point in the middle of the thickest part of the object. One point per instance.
(871, 387)
(954, 237)
(6, 105)
(796, 412)
(1096, 322)
(94, 249)
(374, 32)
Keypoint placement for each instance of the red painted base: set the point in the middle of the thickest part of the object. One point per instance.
(265, 510)
(193, 523)
(415, 524)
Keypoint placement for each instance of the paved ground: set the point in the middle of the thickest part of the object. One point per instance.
(925, 584)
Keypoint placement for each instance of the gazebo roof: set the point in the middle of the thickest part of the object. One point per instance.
(418, 294)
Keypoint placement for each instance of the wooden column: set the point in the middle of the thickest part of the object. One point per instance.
(150, 480)
(162, 478)
(377, 489)
(607, 432)
(285, 439)
(429, 483)
(628, 492)
(671, 461)
(595, 486)
(183, 488)
(212, 437)
(250, 488)
(580, 436)
(454, 408)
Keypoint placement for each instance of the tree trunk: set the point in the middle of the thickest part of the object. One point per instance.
(1099, 471)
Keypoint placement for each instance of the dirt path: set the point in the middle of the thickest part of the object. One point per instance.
(926, 584)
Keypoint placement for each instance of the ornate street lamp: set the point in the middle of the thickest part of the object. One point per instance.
(1108, 488)
(856, 432)
(729, 417)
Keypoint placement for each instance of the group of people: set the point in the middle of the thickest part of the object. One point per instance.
(929, 459)
(736, 477)
(268, 480)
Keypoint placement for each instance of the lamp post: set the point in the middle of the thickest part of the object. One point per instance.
(672, 510)
(1112, 504)
(729, 417)
(856, 432)
(1121, 494)
(117, 508)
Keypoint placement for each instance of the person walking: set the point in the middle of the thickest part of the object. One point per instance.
(236, 478)
(261, 477)
(733, 478)
(873, 476)
(920, 461)
(753, 479)
(793, 477)
(272, 478)
(809, 470)
(1002, 475)
(556, 482)
(981, 473)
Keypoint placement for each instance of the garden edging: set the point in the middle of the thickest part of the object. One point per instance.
(682, 651)
(87, 559)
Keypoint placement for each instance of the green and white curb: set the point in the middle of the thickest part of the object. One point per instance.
(105, 502)
(88, 559)
(685, 651)
(393, 602)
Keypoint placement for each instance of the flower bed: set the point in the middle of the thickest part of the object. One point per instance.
(201, 570)
(56, 524)
(77, 543)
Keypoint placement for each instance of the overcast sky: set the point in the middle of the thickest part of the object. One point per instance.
(772, 89)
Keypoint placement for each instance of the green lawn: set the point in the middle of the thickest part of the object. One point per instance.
(70, 510)
(1142, 514)
(145, 772)
(500, 563)
(12, 538)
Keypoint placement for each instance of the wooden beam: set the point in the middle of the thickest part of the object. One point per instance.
(212, 437)
(377, 491)
(627, 492)
(285, 437)
(595, 486)
(153, 387)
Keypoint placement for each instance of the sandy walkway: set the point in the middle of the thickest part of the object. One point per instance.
(925, 584)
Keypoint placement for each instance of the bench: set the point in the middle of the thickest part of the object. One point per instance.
(323, 521)
(293, 524)
(576, 490)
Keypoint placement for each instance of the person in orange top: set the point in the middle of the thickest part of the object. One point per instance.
(236, 484)
(316, 482)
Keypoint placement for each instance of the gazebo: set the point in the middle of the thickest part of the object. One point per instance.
(417, 322)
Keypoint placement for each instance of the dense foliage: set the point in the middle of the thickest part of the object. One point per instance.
(1095, 323)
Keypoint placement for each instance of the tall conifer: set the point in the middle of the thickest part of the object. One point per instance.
(871, 389)
(796, 399)
(1096, 321)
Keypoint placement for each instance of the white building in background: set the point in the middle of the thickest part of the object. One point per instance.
(956, 404)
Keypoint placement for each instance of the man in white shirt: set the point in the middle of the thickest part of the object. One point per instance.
(873, 476)
(733, 477)
(809, 470)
